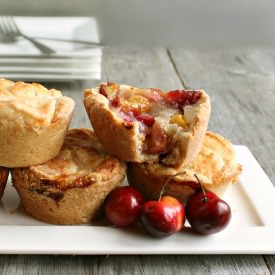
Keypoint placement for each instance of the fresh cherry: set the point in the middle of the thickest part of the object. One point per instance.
(163, 217)
(123, 205)
(207, 213)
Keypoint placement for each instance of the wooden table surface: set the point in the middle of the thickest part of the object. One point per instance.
(241, 84)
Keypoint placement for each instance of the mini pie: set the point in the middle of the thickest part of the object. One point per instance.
(33, 123)
(71, 188)
(215, 166)
(148, 125)
(4, 173)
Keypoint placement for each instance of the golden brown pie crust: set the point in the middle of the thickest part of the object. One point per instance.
(71, 188)
(33, 123)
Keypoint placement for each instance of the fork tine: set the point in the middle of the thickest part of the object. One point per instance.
(12, 30)
(9, 25)
(7, 34)
(13, 24)
(4, 25)
(1, 25)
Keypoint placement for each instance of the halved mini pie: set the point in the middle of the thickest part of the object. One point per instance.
(148, 125)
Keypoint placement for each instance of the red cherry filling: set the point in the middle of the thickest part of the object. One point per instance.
(136, 105)
(147, 119)
(102, 90)
(109, 88)
(182, 97)
(115, 102)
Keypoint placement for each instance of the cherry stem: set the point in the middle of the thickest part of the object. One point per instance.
(203, 191)
(167, 181)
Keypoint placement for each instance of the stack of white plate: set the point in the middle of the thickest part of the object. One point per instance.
(20, 60)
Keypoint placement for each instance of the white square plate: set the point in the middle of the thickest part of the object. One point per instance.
(251, 230)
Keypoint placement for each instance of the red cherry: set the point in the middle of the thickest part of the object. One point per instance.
(164, 217)
(207, 213)
(123, 205)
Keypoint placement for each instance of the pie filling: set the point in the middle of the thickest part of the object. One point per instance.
(153, 110)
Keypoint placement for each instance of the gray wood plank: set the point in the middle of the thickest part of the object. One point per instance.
(212, 264)
(139, 67)
(132, 265)
(270, 262)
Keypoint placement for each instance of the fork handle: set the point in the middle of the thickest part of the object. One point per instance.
(43, 48)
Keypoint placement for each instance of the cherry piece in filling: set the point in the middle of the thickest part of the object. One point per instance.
(182, 97)
(147, 119)
(102, 90)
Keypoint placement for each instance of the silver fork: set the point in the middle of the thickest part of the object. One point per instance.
(10, 29)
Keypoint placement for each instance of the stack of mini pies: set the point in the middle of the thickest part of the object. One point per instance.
(63, 176)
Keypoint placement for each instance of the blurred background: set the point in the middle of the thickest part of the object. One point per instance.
(49, 7)
(173, 22)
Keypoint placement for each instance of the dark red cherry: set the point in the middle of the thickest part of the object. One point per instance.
(123, 206)
(207, 213)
